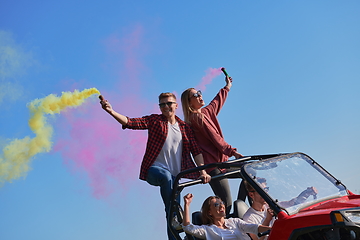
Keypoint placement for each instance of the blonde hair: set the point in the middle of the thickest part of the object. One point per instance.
(185, 102)
(165, 95)
(187, 109)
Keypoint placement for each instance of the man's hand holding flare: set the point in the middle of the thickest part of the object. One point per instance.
(105, 104)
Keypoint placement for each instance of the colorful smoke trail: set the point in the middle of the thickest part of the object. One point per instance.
(17, 155)
(93, 144)
(211, 73)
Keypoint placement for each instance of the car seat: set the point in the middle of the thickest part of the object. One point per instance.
(196, 218)
(240, 208)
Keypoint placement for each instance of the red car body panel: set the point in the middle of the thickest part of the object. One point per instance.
(315, 215)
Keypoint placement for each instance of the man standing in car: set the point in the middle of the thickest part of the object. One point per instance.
(170, 142)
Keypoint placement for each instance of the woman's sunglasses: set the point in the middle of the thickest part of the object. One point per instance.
(197, 94)
(217, 204)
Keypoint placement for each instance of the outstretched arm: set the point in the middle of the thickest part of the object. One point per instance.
(228, 81)
(108, 108)
(301, 198)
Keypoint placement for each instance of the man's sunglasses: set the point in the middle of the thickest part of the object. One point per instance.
(162, 105)
(197, 94)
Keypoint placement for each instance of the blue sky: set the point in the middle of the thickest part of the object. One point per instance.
(295, 68)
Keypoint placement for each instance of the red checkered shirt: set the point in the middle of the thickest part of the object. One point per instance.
(157, 126)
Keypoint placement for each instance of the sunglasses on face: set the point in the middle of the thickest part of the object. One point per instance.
(217, 204)
(162, 105)
(197, 94)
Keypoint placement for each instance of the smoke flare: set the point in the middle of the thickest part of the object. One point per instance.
(211, 73)
(17, 155)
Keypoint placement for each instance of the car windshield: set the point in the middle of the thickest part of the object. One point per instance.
(285, 177)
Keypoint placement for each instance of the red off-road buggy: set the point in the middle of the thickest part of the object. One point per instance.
(332, 213)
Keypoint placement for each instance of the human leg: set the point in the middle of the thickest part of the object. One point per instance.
(221, 188)
(158, 176)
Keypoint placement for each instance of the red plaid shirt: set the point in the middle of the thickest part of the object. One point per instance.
(157, 125)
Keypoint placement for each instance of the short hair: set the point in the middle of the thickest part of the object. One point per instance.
(165, 95)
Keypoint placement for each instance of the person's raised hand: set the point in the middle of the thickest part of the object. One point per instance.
(188, 198)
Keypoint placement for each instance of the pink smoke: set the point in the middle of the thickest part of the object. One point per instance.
(124, 58)
(91, 141)
(98, 146)
(211, 73)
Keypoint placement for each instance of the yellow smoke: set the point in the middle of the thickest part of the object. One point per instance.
(16, 157)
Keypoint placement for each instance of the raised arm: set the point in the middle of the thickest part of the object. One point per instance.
(187, 200)
(108, 108)
(228, 81)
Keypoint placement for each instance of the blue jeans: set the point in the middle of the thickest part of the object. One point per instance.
(158, 176)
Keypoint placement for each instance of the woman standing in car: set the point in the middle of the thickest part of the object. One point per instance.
(208, 134)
